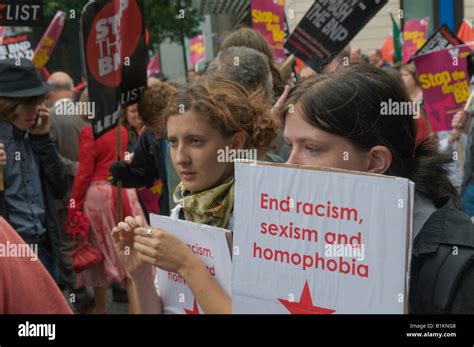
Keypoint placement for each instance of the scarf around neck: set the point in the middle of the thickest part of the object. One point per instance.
(212, 207)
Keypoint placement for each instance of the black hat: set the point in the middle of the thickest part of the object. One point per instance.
(19, 79)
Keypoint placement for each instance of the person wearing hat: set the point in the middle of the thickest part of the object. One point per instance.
(34, 172)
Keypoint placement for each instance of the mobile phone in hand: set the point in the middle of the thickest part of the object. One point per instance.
(37, 122)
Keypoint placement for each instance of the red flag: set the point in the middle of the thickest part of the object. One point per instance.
(299, 65)
(466, 33)
(154, 65)
(48, 42)
(388, 49)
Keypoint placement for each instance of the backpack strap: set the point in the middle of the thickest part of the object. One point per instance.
(440, 276)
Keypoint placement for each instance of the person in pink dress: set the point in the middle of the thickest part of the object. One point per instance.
(93, 213)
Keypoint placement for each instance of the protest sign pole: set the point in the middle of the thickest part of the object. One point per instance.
(293, 70)
(291, 58)
(119, 183)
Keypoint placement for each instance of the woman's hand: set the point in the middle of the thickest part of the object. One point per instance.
(461, 124)
(123, 238)
(43, 113)
(164, 250)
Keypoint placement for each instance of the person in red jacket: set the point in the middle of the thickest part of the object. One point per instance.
(25, 285)
(93, 212)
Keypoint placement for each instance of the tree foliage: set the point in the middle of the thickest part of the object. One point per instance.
(165, 19)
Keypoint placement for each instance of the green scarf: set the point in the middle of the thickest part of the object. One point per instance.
(211, 207)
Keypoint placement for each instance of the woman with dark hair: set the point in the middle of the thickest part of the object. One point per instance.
(133, 123)
(330, 115)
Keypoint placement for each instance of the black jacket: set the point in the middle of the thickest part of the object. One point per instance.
(147, 166)
(442, 263)
(54, 185)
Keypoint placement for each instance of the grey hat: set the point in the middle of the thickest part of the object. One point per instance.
(19, 79)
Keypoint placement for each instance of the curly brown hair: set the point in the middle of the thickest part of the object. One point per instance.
(153, 103)
(228, 107)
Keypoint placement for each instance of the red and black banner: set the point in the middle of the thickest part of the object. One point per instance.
(328, 27)
(114, 57)
(21, 12)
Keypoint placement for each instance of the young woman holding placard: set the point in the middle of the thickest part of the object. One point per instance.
(202, 119)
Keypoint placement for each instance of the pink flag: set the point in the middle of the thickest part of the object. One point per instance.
(48, 42)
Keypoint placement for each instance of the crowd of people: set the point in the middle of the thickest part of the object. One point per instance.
(60, 185)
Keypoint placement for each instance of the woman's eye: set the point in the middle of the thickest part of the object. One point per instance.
(311, 149)
(196, 142)
(172, 143)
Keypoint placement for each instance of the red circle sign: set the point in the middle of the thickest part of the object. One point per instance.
(117, 26)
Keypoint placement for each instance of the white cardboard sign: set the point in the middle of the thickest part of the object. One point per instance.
(320, 241)
(210, 244)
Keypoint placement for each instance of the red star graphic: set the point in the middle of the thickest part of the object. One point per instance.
(195, 309)
(305, 305)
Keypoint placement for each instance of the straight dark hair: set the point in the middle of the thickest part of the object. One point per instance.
(348, 103)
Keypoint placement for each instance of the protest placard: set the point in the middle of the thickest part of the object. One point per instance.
(114, 57)
(443, 77)
(210, 244)
(17, 46)
(268, 18)
(197, 50)
(440, 39)
(414, 36)
(328, 27)
(320, 241)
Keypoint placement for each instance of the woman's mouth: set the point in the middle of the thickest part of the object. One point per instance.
(187, 175)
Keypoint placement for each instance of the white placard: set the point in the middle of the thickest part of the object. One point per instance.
(210, 245)
(320, 241)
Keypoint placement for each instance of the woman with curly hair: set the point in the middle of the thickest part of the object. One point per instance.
(202, 120)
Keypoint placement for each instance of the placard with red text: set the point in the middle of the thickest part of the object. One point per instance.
(210, 245)
(320, 241)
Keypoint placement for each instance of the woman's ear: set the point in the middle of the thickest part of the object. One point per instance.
(238, 140)
(380, 159)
